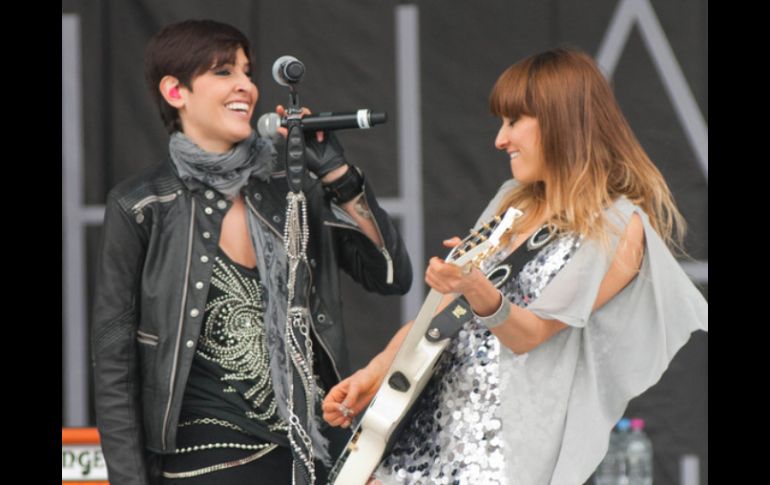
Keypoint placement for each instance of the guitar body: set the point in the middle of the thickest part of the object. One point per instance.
(409, 373)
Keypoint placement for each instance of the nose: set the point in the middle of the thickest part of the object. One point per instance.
(501, 141)
(244, 83)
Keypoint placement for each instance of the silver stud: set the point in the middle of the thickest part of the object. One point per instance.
(204, 259)
(209, 194)
(199, 285)
(222, 204)
(206, 234)
(139, 218)
(277, 218)
(321, 318)
(190, 344)
(434, 333)
(208, 210)
(194, 312)
(312, 262)
(258, 196)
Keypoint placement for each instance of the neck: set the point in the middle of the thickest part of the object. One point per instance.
(211, 146)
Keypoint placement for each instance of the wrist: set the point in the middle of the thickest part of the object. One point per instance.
(335, 174)
(499, 315)
(345, 187)
(379, 366)
(483, 297)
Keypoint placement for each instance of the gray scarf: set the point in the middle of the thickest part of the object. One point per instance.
(228, 173)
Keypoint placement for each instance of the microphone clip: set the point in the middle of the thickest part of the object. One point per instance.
(288, 71)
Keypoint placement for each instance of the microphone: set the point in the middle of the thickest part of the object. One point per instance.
(268, 123)
(288, 70)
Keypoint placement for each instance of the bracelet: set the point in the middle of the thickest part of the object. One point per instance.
(500, 315)
(346, 187)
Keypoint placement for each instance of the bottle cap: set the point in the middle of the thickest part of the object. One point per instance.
(624, 424)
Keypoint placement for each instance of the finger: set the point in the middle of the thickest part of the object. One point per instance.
(330, 406)
(319, 135)
(436, 284)
(451, 242)
(337, 393)
(352, 397)
(335, 420)
(438, 268)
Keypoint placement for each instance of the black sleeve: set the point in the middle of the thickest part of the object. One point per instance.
(386, 270)
(117, 382)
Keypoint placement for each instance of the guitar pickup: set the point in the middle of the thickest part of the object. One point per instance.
(399, 382)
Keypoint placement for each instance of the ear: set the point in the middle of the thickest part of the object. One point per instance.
(170, 89)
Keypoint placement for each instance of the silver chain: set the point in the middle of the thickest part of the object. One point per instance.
(296, 236)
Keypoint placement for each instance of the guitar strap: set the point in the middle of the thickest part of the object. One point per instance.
(448, 322)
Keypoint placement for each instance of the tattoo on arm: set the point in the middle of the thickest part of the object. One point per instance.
(362, 209)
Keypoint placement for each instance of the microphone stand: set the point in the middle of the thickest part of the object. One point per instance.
(298, 341)
(295, 142)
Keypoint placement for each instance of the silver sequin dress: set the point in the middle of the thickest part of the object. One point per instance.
(454, 435)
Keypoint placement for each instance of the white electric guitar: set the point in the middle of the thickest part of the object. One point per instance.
(412, 367)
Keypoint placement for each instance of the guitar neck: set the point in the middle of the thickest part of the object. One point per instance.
(419, 327)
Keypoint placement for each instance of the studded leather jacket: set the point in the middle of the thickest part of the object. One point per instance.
(159, 240)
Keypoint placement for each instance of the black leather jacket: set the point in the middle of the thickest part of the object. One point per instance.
(159, 239)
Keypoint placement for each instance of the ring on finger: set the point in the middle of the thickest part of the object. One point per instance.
(346, 411)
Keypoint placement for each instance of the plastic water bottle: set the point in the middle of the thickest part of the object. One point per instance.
(638, 455)
(612, 469)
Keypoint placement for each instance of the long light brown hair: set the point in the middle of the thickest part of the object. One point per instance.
(591, 155)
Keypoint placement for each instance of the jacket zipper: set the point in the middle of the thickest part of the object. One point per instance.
(146, 338)
(150, 199)
(147, 341)
(179, 332)
(312, 326)
(383, 249)
(307, 295)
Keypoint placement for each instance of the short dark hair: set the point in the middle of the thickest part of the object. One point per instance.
(186, 50)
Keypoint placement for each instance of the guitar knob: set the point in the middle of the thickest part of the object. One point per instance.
(399, 382)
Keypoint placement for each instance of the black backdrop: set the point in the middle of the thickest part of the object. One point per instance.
(348, 47)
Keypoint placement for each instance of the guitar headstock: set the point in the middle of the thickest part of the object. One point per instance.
(478, 245)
